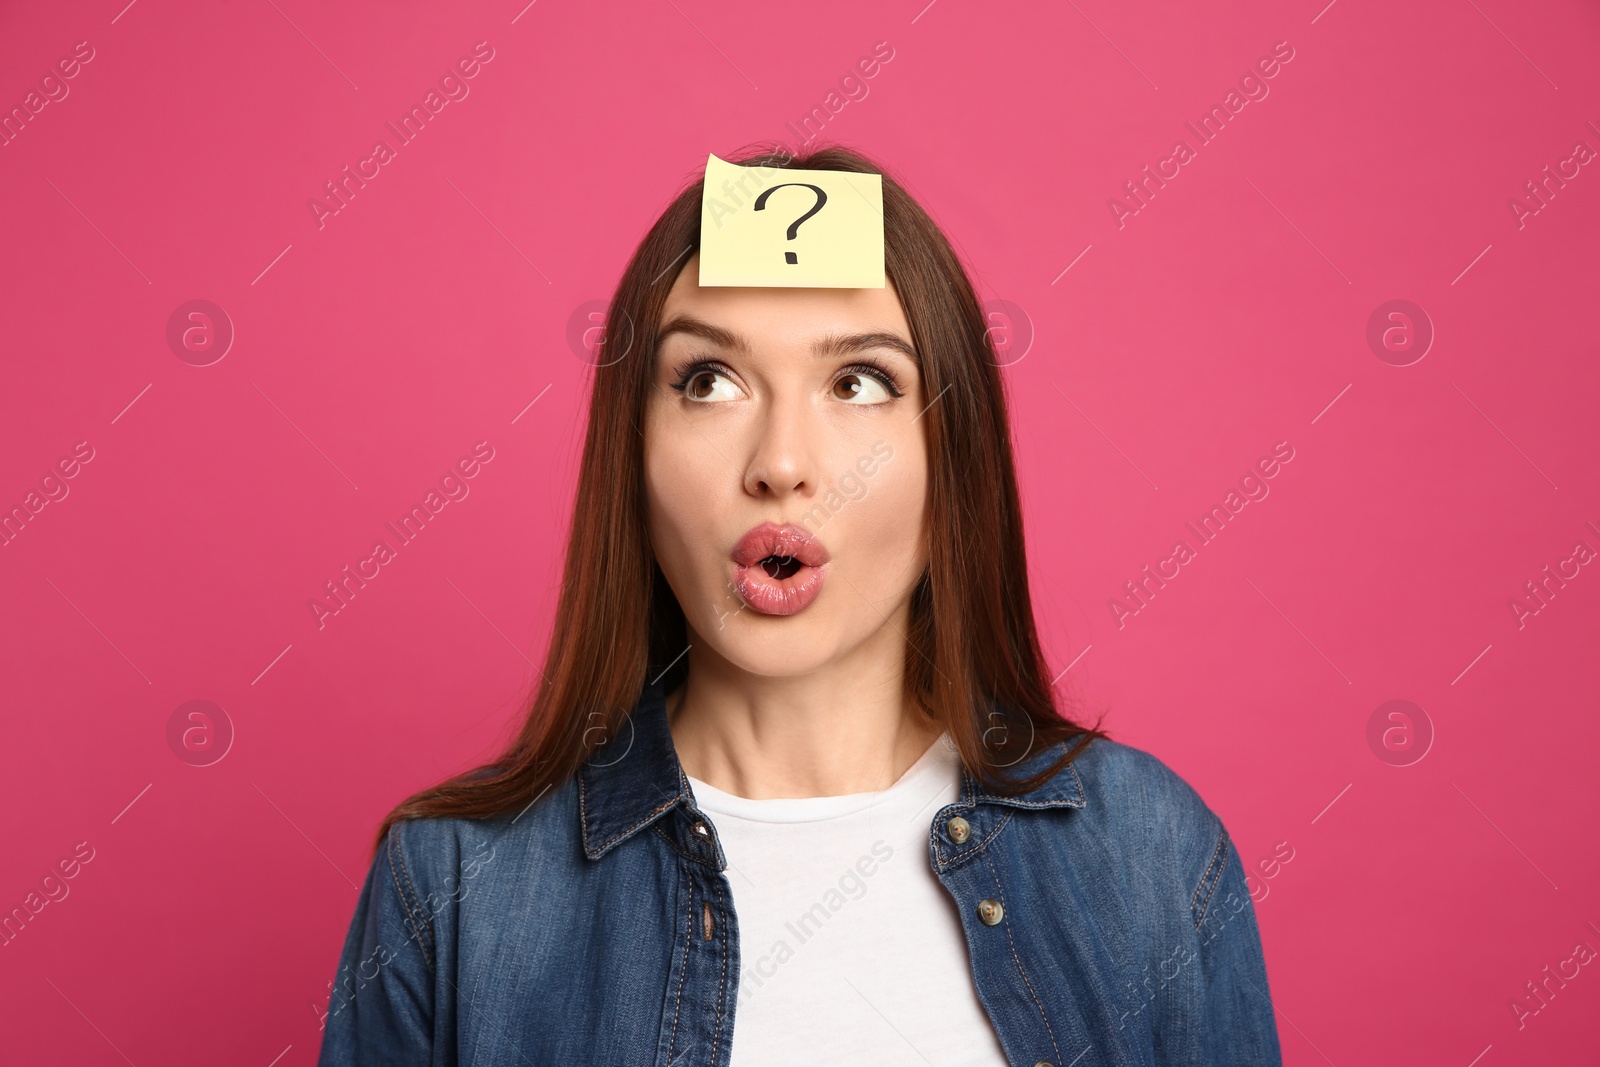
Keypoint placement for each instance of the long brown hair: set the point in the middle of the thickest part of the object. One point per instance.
(973, 660)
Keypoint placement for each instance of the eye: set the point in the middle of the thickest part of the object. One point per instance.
(864, 385)
(705, 383)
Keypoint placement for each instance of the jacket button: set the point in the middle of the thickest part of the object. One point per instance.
(958, 829)
(1044, 1063)
(990, 912)
(700, 828)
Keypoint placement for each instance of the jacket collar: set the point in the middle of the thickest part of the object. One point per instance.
(1064, 789)
(631, 782)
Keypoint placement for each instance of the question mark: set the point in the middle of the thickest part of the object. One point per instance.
(794, 227)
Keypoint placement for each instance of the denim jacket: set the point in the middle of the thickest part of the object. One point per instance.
(1105, 913)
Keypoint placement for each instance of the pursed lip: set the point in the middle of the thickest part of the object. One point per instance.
(774, 539)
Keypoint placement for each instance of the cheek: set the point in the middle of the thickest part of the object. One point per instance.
(889, 517)
(666, 480)
(682, 503)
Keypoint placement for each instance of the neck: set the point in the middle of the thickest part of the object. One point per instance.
(844, 728)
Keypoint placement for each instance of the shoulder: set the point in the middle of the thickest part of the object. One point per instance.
(1156, 818)
(431, 848)
(440, 858)
(1137, 789)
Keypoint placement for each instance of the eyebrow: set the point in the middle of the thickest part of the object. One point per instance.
(831, 345)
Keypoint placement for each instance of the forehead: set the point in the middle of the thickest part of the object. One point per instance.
(777, 313)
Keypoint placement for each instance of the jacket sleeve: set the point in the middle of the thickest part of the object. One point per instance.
(381, 1007)
(1240, 1024)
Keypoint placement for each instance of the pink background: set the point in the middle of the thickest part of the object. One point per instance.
(1228, 314)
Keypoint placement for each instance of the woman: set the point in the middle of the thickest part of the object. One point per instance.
(795, 760)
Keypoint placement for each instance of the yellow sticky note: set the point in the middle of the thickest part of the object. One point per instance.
(805, 228)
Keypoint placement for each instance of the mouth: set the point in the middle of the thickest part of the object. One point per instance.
(778, 569)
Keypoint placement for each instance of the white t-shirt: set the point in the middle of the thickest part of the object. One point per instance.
(851, 949)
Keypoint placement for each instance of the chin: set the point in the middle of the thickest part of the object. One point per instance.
(774, 647)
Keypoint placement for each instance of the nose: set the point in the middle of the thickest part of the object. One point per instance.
(780, 456)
